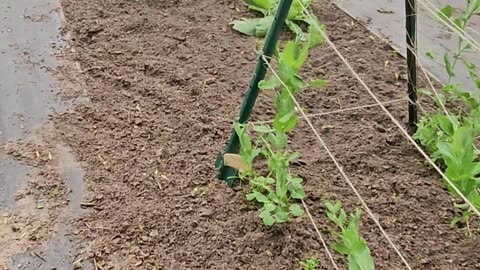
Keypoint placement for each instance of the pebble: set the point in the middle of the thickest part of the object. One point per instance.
(210, 81)
(154, 233)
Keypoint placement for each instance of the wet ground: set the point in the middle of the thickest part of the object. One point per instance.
(387, 19)
(29, 38)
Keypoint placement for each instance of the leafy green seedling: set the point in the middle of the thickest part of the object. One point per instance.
(277, 189)
(349, 242)
(309, 263)
(259, 26)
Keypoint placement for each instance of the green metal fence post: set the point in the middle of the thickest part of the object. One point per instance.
(233, 145)
(411, 27)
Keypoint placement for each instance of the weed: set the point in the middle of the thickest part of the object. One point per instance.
(309, 263)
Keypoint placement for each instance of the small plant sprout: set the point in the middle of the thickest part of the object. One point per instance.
(348, 240)
(277, 189)
(259, 26)
(309, 263)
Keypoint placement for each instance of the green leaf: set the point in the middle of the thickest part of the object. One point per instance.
(315, 33)
(298, 193)
(267, 218)
(253, 27)
(295, 29)
(430, 55)
(317, 83)
(281, 216)
(340, 248)
(447, 124)
(250, 196)
(263, 129)
(362, 259)
(270, 84)
(333, 218)
(290, 53)
(293, 156)
(269, 207)
(342, 217)
(262, 4)
(458, 23)
(446, 12)
(260, 197)
(296, 210)
(329, 206)
(448, 65)
(286, 122)
(284, 119)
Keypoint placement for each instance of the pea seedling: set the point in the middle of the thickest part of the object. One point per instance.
(278, 188)
(259, 26)
(349, 242)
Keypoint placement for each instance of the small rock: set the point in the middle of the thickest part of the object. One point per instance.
(210, 81)
(154, 233)
(206, 213)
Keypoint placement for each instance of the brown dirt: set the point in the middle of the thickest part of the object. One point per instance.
(163, 79)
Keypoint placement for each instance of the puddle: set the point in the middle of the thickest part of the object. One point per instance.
(60, 251)
(386, 18)
(28, 38)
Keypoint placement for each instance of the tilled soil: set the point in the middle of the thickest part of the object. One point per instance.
(164, 78)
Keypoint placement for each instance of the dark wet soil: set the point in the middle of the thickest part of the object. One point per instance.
(164, 78)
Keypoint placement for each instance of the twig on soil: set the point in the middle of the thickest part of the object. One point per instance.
(88, 204)
(182, 39)
(78, 263)
(95, 263)
(35, 254)
(159, 186)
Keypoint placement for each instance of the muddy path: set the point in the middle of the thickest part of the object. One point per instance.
(41, 184)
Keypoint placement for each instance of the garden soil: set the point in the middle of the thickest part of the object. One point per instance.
(160, 82)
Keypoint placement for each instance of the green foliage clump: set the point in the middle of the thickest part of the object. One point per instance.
(349, 242)
(259, 26)
(449, 135)
(309, 263)
(276, 189)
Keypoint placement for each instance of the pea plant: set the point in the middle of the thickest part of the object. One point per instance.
(449, 135)
(277, 188)
(259, 26)
(348, 240)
